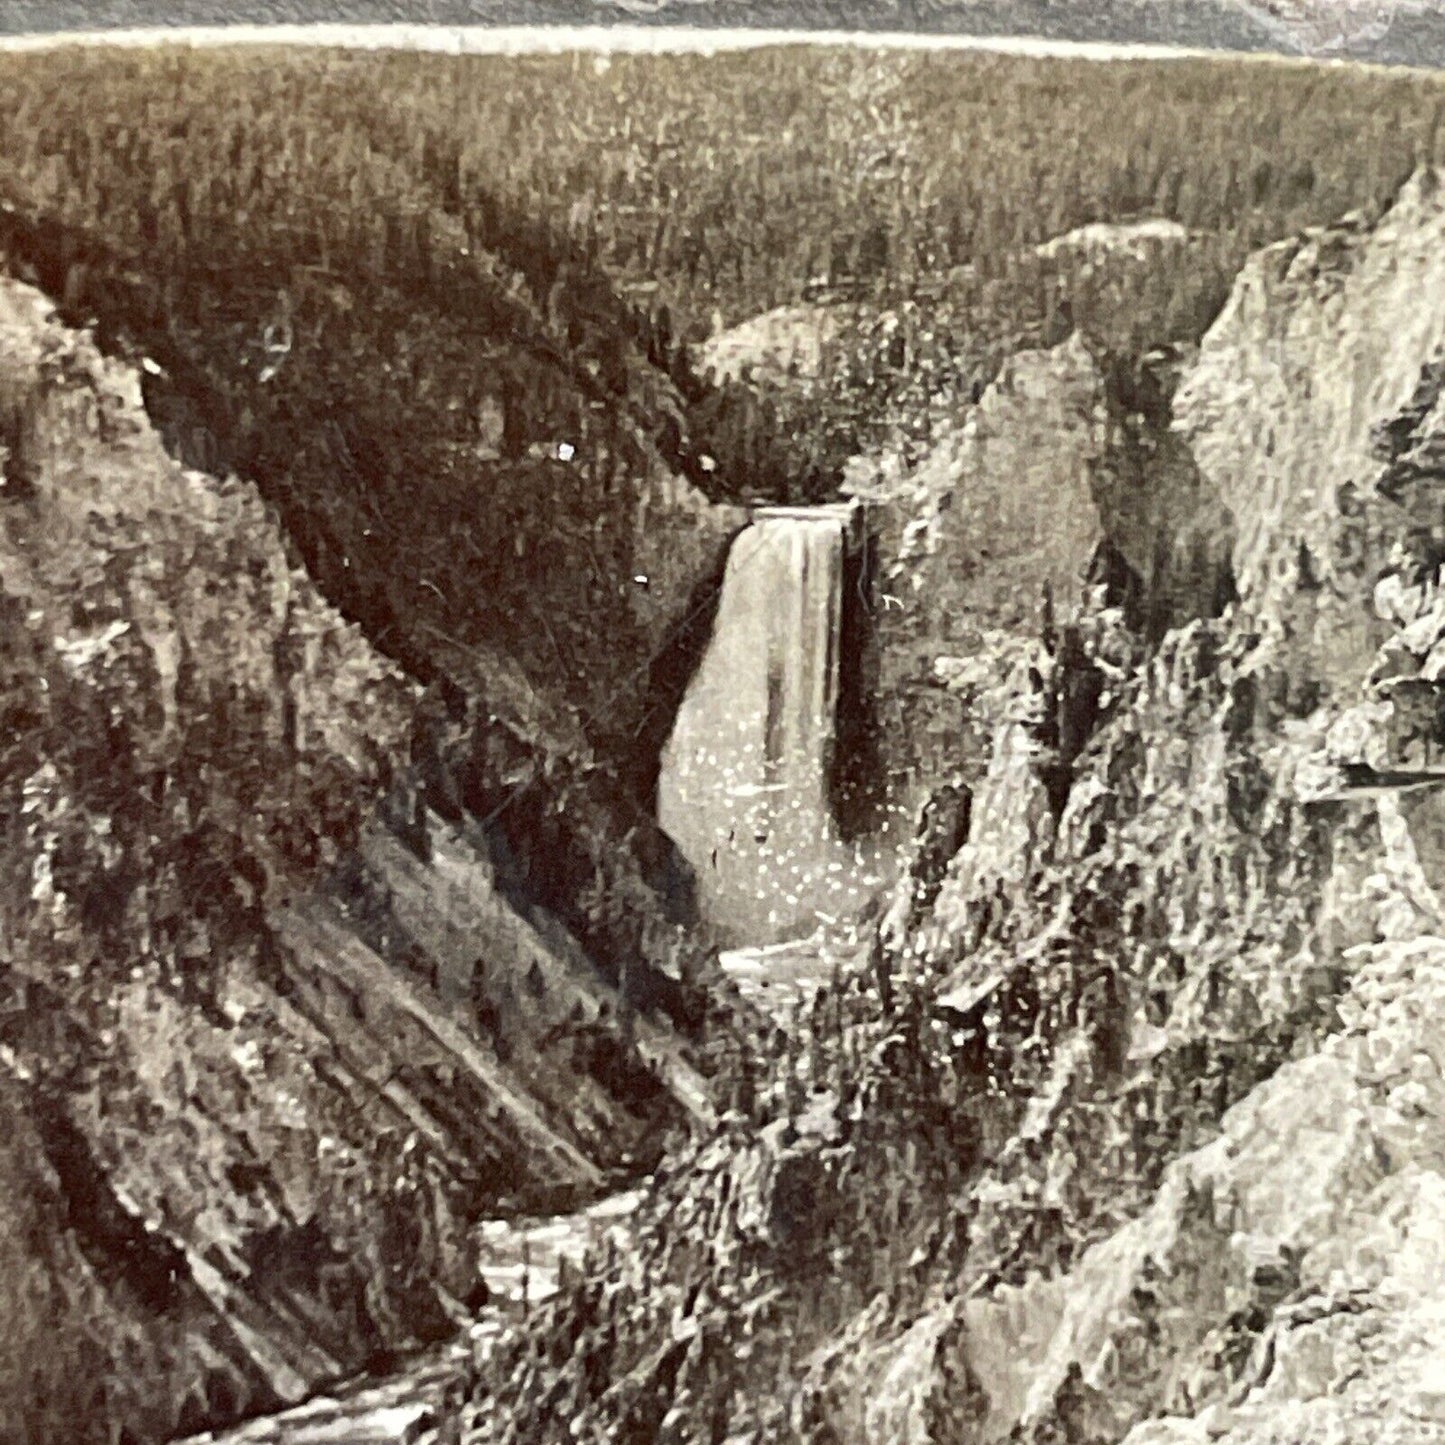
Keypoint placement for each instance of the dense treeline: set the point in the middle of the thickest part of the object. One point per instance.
(736, 182)
(659, 197)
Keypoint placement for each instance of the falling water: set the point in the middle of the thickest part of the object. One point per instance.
(744, 782)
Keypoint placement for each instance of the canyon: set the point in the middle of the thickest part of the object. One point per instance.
(949, 957)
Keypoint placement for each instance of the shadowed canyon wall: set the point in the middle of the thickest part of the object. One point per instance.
(280, 1017)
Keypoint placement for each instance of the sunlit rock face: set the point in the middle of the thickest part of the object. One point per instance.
(782, 345)
(1308, 391)
(744, 783)
(1283, 1283)
(999, 508)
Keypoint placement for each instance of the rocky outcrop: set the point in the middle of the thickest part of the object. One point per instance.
(1255, 1297)
(1134, 1102)
(786, 345)
(273, 1034)
(1100, 241)
(1307, 375)
(997, 513)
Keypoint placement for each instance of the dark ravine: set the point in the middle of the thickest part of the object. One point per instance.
(519, 749)
(857, 782)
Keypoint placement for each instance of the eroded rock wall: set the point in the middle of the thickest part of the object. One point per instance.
(1253, 1298)
(1128, 1121)
(971, 537)
(274, 1034)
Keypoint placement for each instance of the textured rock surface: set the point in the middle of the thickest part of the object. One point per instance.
(1281, 1263)
(997, 512)
(1136, 1122)
(1325, 341)
(265, 1057)
(1281, 1284)
(782, 345)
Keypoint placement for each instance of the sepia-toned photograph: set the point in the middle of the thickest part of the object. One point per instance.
(723, 737)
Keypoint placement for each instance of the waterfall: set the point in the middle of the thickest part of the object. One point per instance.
(743, 789)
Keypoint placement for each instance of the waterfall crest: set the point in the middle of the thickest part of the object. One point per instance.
(743, 789)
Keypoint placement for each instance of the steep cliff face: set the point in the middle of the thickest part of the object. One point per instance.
(1316, 364)
(1251, 820)
(971, 537)
(275, 1033)
(467, 444)
(1118, 1133)
(477, 462)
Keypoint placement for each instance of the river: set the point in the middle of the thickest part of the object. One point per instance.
(521, 1261)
